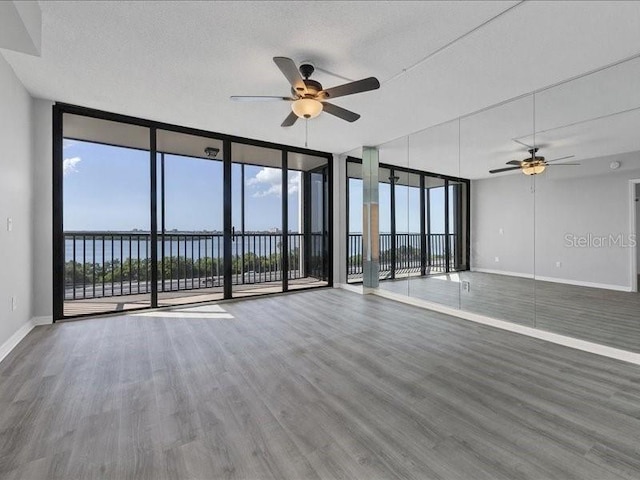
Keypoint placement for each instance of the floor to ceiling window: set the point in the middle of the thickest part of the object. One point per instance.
(149, 215)
(106, 181)
(190, 218)
(308, 219)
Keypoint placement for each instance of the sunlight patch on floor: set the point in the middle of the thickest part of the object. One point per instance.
(202, 311)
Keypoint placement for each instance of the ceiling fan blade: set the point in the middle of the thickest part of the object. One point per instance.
(563, 165)
(247, 98)
(561, 158)
(358, 86)
(290, 71)
(522, 143)
(340, 112)
(500, 170)
(514, 162)
(290, 120)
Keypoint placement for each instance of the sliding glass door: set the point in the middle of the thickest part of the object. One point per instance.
(151, 215)
(257, 240)
(190, 218)
(307, 221)
(107, 263)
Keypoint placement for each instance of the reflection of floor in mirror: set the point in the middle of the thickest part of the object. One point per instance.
(598, 315)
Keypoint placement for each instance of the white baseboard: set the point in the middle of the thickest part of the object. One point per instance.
(349, 287)
(571, 342)
(22, 332)
(579, 283)
(44, 320)
(502, 272)
(606, 286)
(15, 339)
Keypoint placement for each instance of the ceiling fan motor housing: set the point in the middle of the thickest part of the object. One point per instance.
(534, 157)
(313, 89)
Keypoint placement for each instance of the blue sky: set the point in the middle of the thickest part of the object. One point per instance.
(107, 188)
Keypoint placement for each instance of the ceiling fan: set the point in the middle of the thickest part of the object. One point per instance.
(308, 97)
(534, 164)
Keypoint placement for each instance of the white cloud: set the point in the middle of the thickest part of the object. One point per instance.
(268, 181)
(294, 182)
(69, 165)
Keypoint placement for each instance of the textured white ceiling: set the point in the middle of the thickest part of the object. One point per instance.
(179, 62)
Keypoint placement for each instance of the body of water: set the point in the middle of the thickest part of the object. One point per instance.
(98, 248)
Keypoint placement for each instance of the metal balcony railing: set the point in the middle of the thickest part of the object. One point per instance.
(106, 264)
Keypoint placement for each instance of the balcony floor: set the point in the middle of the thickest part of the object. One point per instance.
(122, 303)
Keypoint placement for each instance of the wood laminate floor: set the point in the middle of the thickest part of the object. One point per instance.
(598, 315)
(321, 384)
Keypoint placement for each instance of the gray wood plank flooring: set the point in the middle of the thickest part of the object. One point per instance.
(319, 385)
(597, 315)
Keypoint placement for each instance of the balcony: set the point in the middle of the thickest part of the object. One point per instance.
(111, 271)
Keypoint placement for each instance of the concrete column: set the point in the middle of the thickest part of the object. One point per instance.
(370, 219)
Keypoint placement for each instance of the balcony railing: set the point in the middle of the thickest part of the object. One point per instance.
(407, 258)
(106, 264)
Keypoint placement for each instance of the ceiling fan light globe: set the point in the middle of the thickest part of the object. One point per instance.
(534, 169)
(307, 108)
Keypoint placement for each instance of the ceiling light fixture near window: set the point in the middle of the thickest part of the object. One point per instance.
(307, 108)
(211, 152)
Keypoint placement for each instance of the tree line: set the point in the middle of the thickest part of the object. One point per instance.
(171, 268)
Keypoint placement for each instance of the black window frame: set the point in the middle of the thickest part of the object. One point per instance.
(59, 109)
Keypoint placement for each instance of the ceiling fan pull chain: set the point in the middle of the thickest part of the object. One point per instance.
(306, 132)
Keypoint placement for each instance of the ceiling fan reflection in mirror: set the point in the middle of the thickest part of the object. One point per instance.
(534, 165)
(308, 98)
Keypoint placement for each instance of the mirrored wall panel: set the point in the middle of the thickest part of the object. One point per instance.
(525, 212)
(586, 207)
(499, 283)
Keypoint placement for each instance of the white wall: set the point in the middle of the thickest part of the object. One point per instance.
(16, 202)
(590, 201)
